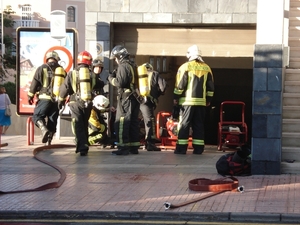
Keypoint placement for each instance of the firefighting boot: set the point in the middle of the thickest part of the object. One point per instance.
(45, 131)
(50, 137)
(121, 151)
(152, 147)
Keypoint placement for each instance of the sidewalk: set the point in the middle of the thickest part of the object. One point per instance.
(135, 186)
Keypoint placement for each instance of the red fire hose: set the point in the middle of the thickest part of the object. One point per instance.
(217, 186)
(50, 185)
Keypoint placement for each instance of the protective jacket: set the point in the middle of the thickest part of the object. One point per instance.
(126, 123)
(123, 79)
(157, 86)
(71, 87)
(194, 84)
(42, 82)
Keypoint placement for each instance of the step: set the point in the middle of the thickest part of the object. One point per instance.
(291, 112)
(292, 83)
(292, 71)
(291, 139)
(294, 3)
(294, 52)
(292, 86)
(291, 125)
(294, 11)
(290, 99)
(290, 168)
(294, 64)
(293, 22)
(295, 76)
(290, 153)
(293, 41)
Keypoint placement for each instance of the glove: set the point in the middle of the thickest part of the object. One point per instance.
(175, 102)
(112, 75)
(61, 104)
(30, 100)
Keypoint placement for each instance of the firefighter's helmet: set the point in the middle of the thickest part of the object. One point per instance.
(97, 62)
(193, 52)
(101, 102)
(119, 52)
(52, 55)
(148, 66)
(84, 58)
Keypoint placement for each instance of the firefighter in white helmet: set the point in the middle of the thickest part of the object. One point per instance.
(43, 83)
(194, 89)
(97, 123)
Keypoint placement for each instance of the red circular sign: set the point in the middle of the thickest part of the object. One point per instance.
(66, 51)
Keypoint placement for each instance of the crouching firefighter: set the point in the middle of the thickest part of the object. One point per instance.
(45, 84)
(80, 84)
(98, 123)
(127, 122)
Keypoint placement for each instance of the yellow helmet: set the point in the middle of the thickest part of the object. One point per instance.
(52, 55)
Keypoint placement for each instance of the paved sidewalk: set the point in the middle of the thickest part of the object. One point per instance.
(102, 185)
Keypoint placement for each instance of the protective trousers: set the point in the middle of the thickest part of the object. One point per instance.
(46, 108)
(127, 122)
(147, 111)
(191, 116)
(80, 116)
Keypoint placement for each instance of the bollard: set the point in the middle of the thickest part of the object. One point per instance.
(30, 131)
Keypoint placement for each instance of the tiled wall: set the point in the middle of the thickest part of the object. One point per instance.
(267, 109)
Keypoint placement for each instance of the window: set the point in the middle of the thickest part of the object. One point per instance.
(71, 14)
(26, 12)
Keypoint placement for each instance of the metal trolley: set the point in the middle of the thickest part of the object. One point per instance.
(232, 133)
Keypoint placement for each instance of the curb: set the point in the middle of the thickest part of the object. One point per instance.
(149, 216)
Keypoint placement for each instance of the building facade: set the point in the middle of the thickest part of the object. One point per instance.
(245, 44)
(35, 13)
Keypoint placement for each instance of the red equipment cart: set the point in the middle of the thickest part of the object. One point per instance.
(232, 133)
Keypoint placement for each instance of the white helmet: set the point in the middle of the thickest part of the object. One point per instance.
(100, 102)
(193, 52)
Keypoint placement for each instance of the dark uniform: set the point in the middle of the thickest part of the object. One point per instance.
(46, 107)
(157, 88)
(126, 123)
(194, 89)
(80, 109)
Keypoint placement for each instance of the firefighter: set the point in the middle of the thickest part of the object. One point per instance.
(127, 122)
(43, 83)
(157, 86)
(97, 68)
(194, 89)
(97, 122)
(81, 84)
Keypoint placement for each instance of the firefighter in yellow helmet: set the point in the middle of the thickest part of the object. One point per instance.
(194, 89)
(43, 84)
(81, 85)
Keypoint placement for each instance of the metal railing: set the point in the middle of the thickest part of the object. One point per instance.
(26, 23)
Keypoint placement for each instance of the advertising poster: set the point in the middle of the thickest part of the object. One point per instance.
(32, 45)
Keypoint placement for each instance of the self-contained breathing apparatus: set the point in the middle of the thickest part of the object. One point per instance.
(51, 90)
(83, 85)
(58, 79)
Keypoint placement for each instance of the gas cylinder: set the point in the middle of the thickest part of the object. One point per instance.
(59, 76)
(85, 84)
(143, 81)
